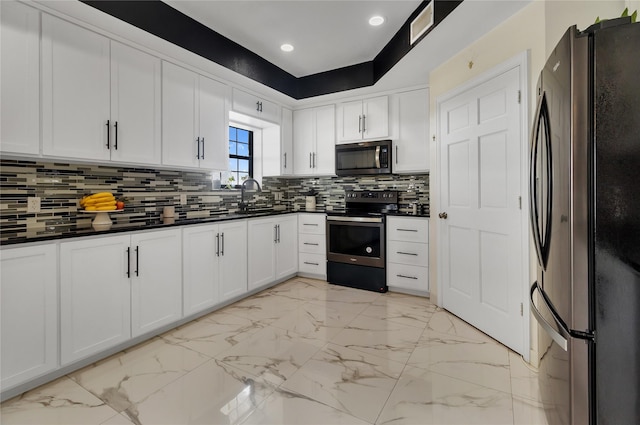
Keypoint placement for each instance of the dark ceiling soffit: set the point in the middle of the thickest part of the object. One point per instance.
(162, 20)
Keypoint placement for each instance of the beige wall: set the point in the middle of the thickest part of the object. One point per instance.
(535, 29)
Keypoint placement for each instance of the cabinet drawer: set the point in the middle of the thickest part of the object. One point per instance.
(312, 264)
(412, 253)
(408, 229)
(408, 277)
(312, 244)
(312, 224)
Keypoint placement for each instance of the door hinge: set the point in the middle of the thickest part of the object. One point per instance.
(519, 96)
(520, 201)
(521, 310)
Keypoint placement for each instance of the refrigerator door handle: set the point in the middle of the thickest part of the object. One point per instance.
(560, 338)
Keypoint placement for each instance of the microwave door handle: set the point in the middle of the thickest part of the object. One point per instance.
(377, 156)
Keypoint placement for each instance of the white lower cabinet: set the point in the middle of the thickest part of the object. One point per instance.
(408, 253)
(214, 264)
(29, 313)
(117, 287)
(312, 245)
(273, 249)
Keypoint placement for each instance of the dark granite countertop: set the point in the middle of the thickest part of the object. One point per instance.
(44, 235)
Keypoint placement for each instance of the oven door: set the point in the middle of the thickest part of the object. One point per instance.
(356, 240)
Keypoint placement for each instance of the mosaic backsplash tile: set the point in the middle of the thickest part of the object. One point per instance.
(147, 191)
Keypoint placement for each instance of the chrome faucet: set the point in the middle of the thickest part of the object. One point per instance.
(249, 184)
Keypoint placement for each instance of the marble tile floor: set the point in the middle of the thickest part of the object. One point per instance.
(302, 352)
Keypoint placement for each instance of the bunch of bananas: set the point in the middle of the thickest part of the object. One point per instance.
(103, 201)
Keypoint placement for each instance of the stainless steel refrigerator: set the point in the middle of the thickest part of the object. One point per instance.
(585, 219)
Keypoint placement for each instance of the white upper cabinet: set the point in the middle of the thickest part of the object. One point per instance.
(366, 119)
(411, 147)
(135, 106)
(286, 146)
(314, 140)
(254, 106)
(194, 119)
(75, 91)
(20, 79)
(101, 99)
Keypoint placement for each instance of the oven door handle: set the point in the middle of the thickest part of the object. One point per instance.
(377, 156)
(356, 219)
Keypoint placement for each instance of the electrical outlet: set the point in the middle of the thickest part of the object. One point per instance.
(33, 204)
(183, 199)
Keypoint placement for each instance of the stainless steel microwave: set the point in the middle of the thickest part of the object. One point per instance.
(363, 158)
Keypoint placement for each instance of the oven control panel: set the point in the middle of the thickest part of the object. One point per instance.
(374, 196)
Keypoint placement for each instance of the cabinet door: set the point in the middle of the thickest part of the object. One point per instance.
(75, 91)
(303, 135)
(95, 296)
(376, 118)
(179, 108)
(262, 252)
(350, 121)
(213, 124)
(29, 313)
(156, 280)
(200, 268)
(287, 246)
(135, 106)
(286, 152)
(20, 78)
(325, 140)
(269, 111)
(233, 259)
(253, 106)
(411, 148)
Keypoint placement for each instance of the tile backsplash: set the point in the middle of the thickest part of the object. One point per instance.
(147, 191)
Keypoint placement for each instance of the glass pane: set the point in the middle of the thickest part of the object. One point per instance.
(232, 148)
(232, 133)
(243, 149)
(233, 164)
(243, 136)
(243, 165)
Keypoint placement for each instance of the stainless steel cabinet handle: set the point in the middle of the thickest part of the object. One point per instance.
(314, 160)
(310, 164)
(359, 123)
(278, 233)
(309, 243)
(217, 244)
(129, 262)
(407, 230)
(364, 123)
(406, 253)
(407, 277)
(202, 156)
(310, 224)
(198, 145)
(285, 160)
(311, 264)
(258, 106)
(222, 244)
(396, 154)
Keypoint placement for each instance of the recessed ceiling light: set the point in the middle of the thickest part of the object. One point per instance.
(286, 47)
(376, 20)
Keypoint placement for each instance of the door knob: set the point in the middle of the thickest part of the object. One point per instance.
(443, 215)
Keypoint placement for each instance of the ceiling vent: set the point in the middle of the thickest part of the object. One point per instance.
(422, 23)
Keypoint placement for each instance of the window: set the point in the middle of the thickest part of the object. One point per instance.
(240, 154)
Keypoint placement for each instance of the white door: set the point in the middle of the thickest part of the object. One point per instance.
(481, 234)
(29, 313)
(179, 109)
(200, 268)
(20, 78)
(262, 252)
(75, 91)
(287, 246)
(213, 124)
(233, 259)
(95, 296)
(156, 280)
(135, 106)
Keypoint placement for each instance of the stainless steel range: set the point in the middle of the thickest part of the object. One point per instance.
(356, 240)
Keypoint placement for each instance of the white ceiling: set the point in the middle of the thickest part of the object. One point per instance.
(326, 34)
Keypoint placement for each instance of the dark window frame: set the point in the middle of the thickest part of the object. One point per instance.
(236, 173)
